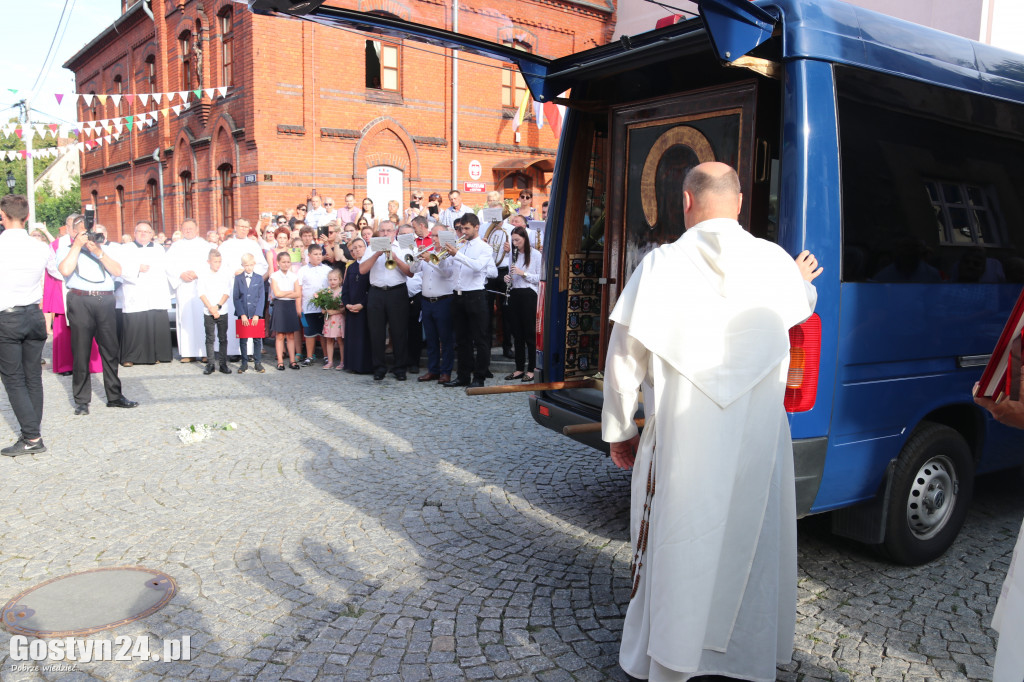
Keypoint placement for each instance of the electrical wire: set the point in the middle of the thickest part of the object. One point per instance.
(672, 8)
(52, 52)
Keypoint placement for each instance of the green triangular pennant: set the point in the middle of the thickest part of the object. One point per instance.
(128, 121)
(198, 92)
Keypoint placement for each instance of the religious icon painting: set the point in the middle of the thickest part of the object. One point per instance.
(585, 341)
(589, 268)
(574, 320)
(586, 305)
(576, 284)
(570, 357)
(572, 338)
(584, 363)
(576, 266)
(586, 322)
(588, 286)
(574, 303)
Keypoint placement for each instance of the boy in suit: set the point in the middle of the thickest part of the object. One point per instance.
(249, 295)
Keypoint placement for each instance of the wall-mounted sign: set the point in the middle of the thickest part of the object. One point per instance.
(476, 169)
(475, 186)
(250, 178)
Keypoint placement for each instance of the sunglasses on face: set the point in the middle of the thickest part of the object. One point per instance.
(328, 203)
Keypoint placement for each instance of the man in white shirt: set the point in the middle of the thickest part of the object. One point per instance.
(714, 584)
(146, 337)
(185, 259)
(456, 210)
(23, 260)
(473, 263)
(387, 305)
(317, 215)
(313, 278)
(437, 286)
(231, 250)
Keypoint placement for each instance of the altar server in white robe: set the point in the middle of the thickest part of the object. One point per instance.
(231, 251)
(713, 513)
(146, 336)
(1008, 619)
(185, 260)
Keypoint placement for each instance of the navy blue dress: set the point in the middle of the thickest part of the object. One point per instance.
(357, 333)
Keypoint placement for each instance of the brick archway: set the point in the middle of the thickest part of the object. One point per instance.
(386, 143)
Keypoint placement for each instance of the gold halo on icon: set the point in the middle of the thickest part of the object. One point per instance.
(684, 135)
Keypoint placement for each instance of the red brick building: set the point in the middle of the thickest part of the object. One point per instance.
(309, 107)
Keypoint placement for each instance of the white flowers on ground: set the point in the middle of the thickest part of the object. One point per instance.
(193, 433)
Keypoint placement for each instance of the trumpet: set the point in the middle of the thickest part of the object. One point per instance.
(410, 258)
(445, 254)
(389, 263)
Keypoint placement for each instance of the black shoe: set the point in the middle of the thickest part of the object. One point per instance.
(259, 368)
(379, 376)
(509, 354)
(122, 402)
(243, 369)
(456, 383)
(81, 409)
(24, 447)
(210, 369)
(400, 376)
(65, 374)
(476, 384)
(488, 375)
(224, 369)
(513, 376)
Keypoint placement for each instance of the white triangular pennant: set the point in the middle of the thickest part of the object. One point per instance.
(116, 98)
(118, 127)
(176, 109)
(144, 99)
(222, 91)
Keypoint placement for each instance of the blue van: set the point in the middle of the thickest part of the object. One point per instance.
(890, 150)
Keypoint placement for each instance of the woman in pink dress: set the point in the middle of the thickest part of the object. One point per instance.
(53, 302)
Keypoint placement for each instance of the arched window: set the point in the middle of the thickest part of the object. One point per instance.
(94, 111)
(96, 205)
(151, 73)
(513, 87)
(227, 190)
(121, 108)
(120, 208)
(185, 50)
(187, 192)
(227, 34)
(153, 196)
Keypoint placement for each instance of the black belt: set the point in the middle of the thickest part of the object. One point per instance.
(19, 308)
(79, 292)
(435, 299)
(467, 293)
(393, 286)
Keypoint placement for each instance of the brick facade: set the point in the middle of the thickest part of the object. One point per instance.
(299, 114)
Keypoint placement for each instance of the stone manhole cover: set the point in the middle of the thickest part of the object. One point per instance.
(83, 603)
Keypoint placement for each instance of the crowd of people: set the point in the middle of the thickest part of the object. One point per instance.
(305, 282)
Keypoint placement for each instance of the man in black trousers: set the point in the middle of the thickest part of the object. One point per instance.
(387, 306)
(22, 326)
(89, 278)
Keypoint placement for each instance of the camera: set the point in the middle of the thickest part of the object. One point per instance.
(90, 220)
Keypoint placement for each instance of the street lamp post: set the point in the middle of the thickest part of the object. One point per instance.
(11, 182)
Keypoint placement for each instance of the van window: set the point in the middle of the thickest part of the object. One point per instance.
(931, 182)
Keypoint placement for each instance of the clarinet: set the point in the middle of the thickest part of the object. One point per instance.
(511, 264)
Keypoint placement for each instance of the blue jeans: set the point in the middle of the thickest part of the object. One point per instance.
(440, 334)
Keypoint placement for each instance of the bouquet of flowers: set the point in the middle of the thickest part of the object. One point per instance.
(325, 300)
(193, 433)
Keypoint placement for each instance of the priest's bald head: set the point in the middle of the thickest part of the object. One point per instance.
(711, 190)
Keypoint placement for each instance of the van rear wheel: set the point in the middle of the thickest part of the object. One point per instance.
(931, 490)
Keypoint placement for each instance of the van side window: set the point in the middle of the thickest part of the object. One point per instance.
(930, 182)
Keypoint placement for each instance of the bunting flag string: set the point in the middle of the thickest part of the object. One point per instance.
(184, 96)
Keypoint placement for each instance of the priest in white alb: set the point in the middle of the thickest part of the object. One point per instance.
(146, 336)
(185, 259)
(713, 513)
(231, 250)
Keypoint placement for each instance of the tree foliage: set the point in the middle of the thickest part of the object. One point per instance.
(51, 208)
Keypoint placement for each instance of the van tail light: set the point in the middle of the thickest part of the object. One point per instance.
(540, 318)
(804, 360)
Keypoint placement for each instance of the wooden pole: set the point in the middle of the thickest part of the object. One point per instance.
(527, 388)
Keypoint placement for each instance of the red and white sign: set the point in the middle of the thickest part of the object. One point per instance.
(476, 169)
(475, 186)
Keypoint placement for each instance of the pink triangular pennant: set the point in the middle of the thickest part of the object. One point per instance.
(59, 97)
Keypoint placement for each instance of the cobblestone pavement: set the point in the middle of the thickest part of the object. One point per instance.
(360, 530)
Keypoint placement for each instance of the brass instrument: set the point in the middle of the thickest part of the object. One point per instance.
(389, 263)
(445, 253)
(411, 258)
